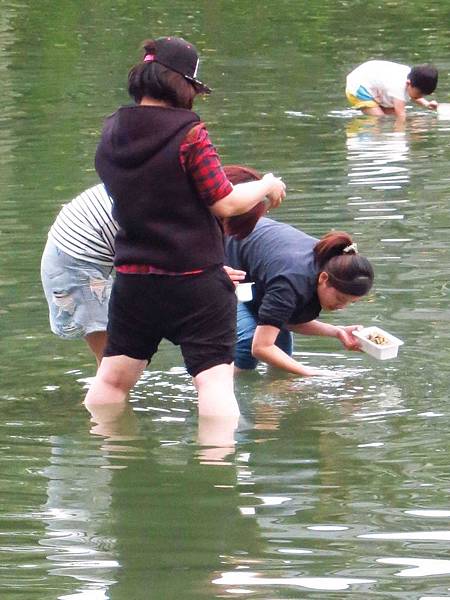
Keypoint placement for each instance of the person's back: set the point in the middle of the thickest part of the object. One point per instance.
(271, 248)
(279, 259)
(85, 228)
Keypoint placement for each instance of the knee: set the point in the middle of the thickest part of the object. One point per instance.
(116, 378)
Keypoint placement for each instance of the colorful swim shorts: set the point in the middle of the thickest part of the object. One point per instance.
(362, 98)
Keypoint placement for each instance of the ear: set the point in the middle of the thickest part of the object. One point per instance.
(323, 278)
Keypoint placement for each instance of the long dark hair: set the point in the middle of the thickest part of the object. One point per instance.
(348, 271)
(156, 81)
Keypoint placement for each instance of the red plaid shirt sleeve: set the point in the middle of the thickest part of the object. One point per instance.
(199, 158)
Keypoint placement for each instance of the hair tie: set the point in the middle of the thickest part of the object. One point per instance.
(149, 58)
(352, 248)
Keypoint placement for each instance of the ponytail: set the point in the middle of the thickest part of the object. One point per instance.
(337, 255)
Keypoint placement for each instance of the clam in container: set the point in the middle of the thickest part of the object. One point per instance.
(385, 345)
(244, 292)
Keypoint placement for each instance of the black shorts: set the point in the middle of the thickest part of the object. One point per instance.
(195, 312)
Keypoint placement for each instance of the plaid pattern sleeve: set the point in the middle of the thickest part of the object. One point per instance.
(199, 158)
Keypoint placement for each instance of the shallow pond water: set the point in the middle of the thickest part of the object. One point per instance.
(329, 488)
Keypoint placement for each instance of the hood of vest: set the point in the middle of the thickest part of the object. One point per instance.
(134, 134)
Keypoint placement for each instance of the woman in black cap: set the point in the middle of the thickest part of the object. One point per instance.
(169, 189)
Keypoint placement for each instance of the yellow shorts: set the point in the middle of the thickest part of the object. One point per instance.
(360, 102)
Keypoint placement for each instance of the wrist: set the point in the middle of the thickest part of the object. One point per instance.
(338, 331)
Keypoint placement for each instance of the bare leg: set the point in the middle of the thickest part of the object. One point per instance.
(115, 378)
(216, 392)
(116, 421)
(97, 343)
(376, 111)
(216, 436)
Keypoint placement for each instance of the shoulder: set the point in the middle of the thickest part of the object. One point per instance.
(197, 134)
(94, 194)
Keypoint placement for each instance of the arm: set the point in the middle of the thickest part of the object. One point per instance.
(236, 275)
(264, 348)
(430, 104)
(343, 334)
(245, 196)
(399, 108)
(200, 160)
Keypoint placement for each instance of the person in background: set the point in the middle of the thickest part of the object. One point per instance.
(295, 276)
(169, 189)
(77, 268)
(381, 87)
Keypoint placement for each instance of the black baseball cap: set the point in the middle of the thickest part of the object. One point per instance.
(180, 56)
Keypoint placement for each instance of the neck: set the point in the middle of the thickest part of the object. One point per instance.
(148, 101)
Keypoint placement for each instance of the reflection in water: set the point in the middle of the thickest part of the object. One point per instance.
(216, 437)
(76, 518)
(116, 422)
(378, 158)
(312, 583)
(422, 567)
(300, 502)
(79, 495)
(409, 535)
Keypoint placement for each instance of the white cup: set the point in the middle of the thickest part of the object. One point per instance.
(244, 292)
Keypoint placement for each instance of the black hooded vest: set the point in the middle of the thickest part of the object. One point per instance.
(162, 220)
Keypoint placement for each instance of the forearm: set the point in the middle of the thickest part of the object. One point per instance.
(275, 357)
(399, 109)
(243, 198)
(430, 104)
(315, 328)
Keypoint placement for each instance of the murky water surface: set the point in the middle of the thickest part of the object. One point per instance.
(334, 488)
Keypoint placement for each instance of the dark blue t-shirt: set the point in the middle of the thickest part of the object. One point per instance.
(280, 260)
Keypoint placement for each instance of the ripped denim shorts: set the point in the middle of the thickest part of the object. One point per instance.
(77, 293)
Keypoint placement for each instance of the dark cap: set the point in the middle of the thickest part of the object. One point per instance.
(179, 56)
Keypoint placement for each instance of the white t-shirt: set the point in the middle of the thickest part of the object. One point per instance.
(383, 79)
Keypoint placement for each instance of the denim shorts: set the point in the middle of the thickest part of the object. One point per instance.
(77, 293)
(246, 325)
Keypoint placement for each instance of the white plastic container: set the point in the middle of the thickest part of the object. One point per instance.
(379, 351)
(244, 292)
(443, 111)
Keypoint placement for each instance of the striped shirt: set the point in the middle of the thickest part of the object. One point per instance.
(85, 229)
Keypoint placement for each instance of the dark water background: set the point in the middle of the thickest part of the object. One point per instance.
(336, 488)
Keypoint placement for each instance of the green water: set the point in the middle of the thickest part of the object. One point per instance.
(335, 488)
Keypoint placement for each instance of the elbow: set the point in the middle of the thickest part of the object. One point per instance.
(258, 352)
(222, 209)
